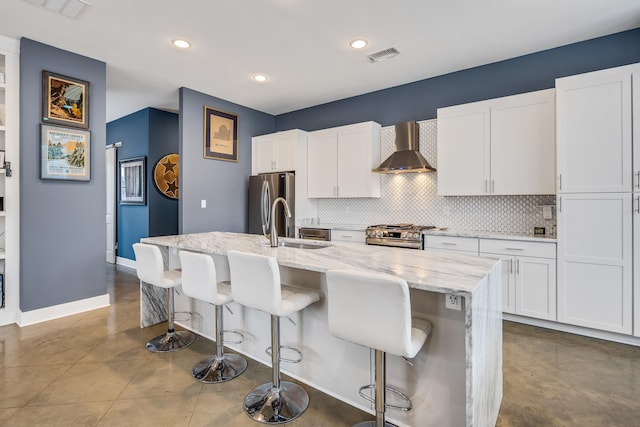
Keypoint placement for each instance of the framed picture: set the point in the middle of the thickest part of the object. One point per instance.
(132, 181)
(65, 153)
(220, 135)
(65, 100)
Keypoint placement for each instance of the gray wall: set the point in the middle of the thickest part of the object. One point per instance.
(421, 99)
(62, 224)
(222, 184)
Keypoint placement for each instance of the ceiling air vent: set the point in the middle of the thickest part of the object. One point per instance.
(383, 54)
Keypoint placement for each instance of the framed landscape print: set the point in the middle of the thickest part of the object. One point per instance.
(65, 153)
(220, 135)
(132, 181)
(65, 100)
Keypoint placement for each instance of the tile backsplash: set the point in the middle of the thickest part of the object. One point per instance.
(412, 198)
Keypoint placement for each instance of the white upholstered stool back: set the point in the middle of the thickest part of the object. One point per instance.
(255, 282)
(374, 310)
(150, 268)
(200, 281)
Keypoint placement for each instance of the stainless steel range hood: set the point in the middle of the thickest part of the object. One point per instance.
(406, 158)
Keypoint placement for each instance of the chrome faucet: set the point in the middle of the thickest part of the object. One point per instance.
(273, 233)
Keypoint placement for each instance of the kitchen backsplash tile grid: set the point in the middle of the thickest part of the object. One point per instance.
(413, 198)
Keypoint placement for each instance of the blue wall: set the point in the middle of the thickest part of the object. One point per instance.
(419, 100)
(222, 184)
(152, 134)
(62, 223)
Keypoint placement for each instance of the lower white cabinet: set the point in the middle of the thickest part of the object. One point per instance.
(595, 261)
(636, 262)
(454, 244)
(529, 276)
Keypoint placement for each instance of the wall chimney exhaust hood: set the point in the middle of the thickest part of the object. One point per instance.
(407, 157)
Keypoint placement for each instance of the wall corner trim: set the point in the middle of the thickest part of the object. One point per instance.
(61, 310)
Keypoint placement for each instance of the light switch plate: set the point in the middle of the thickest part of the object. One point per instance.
(203, 204)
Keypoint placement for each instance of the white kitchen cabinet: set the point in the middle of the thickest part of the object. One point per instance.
(636, 263)
(529, 276)
(594, 131)
(275, 152)
(595, 260)
(502, 146)
(340, 161)
(9, 180)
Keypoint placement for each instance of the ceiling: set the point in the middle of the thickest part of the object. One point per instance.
(301, 45)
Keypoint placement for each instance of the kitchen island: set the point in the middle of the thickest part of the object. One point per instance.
(455, 380)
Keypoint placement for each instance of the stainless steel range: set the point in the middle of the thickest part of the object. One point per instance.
(398, 235)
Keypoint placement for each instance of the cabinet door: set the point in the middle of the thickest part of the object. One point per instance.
(595, 260)
(508, 282)
(636, 132)
(322, 165)
(285, 151)
(262, 154)
(535, 287)
(594, 131)
(463, 150)
(523, 146)
(636, 264)
(355, 162)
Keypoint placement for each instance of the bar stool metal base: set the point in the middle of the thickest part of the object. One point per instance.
(218, 370)
(269, 405)
(171, 341)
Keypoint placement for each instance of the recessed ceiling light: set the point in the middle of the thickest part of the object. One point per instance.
(358, 43)
(182, 44)
(260, 78)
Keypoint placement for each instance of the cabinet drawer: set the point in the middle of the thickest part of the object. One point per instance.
(468, 244)
(348, 236)
(519, 248)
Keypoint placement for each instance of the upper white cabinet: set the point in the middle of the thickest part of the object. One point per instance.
(503, 146)
(341, 159)
(594, 131)
(275, 152)
(636, 134)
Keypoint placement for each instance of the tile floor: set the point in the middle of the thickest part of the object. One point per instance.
(92, 369)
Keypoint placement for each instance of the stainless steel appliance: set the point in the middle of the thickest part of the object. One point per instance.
(263, 190)
(323, 234)
(398, 235)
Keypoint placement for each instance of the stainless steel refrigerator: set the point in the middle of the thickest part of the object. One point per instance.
(263, 190)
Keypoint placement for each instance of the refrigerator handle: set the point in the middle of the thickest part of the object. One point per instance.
(265, 200)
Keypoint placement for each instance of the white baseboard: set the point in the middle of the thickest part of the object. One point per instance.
(578, 330)
(61, 310)
(126, 262)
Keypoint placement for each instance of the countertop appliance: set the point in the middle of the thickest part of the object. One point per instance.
(397, 235)
(323, 234)
(263, 190)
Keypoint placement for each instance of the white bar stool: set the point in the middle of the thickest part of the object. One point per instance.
(374, 310)
(199, 280)
(255, 283)
(150, 269)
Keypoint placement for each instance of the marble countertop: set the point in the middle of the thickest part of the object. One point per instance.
(425, 270)
(491, 235)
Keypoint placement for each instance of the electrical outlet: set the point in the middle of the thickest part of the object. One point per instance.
(453, 302)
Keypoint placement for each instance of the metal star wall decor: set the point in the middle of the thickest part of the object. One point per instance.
(165, 176)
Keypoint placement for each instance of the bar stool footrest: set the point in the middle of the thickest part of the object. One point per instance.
(394, 391)
(232, 331)
(285, 359)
